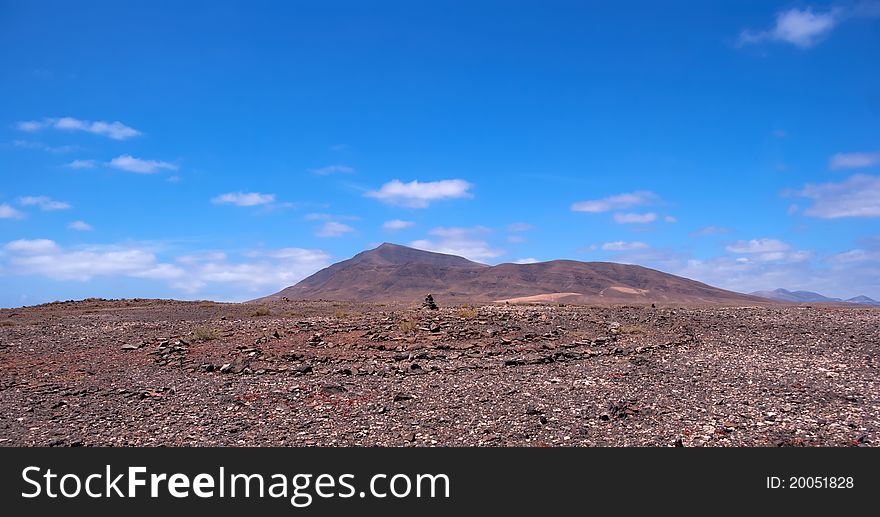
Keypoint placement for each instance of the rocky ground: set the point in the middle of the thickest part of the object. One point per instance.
(147, 372)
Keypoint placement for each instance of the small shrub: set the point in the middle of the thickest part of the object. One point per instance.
(205, 334)
(467, 313)
(408, 326)
(7, 323)
(632, 329)
(340, 314)
(261, 311)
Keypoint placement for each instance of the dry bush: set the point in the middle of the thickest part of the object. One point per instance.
(7, 323)
(408, 326)
(205, 334)
(340, 314)
(634, 330)
(261, 311)
(467, 313)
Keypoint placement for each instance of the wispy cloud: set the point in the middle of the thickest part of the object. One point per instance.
(8, 212)
(81, 164)
(805, 27)
(129, 163)
(858, 196)
(464, 242)
(417, 194)
(519, 227)
(40, 146)
(763, 245)
(396, 225)
(624, 218)
(114, 130)
(624, 246)
(617, 202)
(333, 229)
(766, 250)
(710, 230)
(527, 260)
(80, 226)
(853, 160)
(244, 199)
(332, 169)
(321, 216)
(44, 203)
(799, 27)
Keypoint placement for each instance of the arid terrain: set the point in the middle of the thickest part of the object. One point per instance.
(147, 372)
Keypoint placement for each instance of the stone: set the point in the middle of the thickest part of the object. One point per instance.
(429, 303)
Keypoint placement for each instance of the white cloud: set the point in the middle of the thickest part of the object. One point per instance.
(44, 257)
(763, 245)
(129, 163)
(81, 164)
(800, 27)
(333, 229)
(670, 219)
(396, 224)
(624, 246)
(44, 203)
(635, 218)
(519, 227)
(8, 212)
(617, 202)
(528, 260)
(267, 269)
(858, 196)
(332, 169)
(80, 226)
(516, 239)
(417, 194)
(31, 246)
(853, 160)
(244, 199)
(114, 130)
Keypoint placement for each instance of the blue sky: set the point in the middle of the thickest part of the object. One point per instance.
(225, 150)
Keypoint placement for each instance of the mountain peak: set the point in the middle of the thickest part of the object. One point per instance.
(389, 253)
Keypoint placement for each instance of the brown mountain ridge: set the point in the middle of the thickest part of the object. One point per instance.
(392, 272)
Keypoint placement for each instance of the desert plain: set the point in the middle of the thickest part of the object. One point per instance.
(302, 373)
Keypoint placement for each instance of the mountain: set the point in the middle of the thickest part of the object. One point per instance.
(398, 273)
(863, 300)
(784, 295)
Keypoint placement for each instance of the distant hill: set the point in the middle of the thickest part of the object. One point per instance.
(398, 273)
(784, 295)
